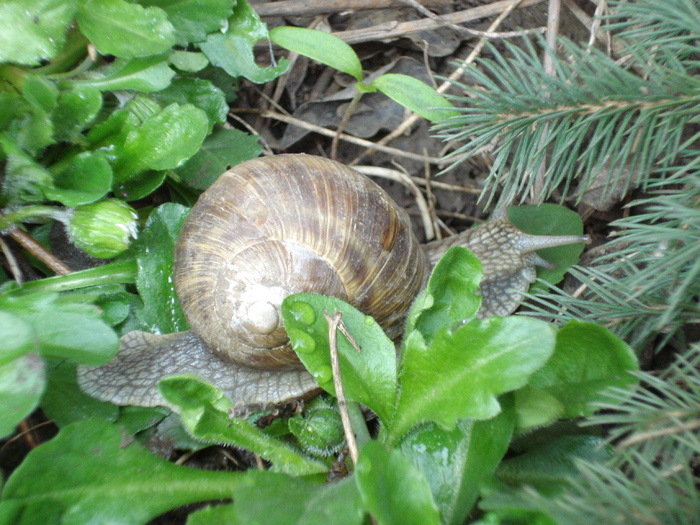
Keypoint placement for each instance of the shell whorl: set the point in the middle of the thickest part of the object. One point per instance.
(272, 227)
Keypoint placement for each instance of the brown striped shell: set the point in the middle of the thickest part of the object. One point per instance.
(281, 225)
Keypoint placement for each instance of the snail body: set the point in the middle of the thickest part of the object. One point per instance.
(275, 226)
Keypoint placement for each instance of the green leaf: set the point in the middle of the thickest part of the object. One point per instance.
(206, 413)
(141, 185)
(25, 179)
(193, 19)
(154, 252)
(536, 408)
(200, 93)
(40, 92)
(125, 30)
(164, 141)
(320, 46)
(451, 296)
(221, 150)
(76, 109)
(233, 50)
(456, 462)
(268, 497)
(34, 30)
(63, 329)
(369, 376)
(550, 219)
(17, 336)
(337, 503)
(551, 466)
(21, 386)
(587, 360)
(415, 95)
(392, 489)
(83, 474)
(86, 179)
(140, 74)
(461, 373)
(188, 61)
(64, 402)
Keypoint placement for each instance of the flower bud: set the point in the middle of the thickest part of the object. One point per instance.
(320, 432)
(103, 229)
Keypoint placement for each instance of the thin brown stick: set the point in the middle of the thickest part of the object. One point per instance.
(406, 124)
(393, 30)
(318, 7)
(12, 262)
(553, 18)
(266, 113)
(32, 246)
(344, 122)
(335, 323)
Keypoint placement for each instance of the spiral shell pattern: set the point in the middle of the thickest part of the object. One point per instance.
(275, 226)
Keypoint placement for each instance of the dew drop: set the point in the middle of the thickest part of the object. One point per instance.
(303, 313)
(301, 341)
(323, 375)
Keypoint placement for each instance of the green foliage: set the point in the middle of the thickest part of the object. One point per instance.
(332, 51)
(102, 99)
(92, 467)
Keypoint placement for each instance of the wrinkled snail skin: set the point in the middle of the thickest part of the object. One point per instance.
(276, 226)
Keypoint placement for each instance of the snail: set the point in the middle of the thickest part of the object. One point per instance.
(275, 226)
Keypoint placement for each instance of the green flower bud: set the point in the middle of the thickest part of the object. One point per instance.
(320, 432)
(103, 229)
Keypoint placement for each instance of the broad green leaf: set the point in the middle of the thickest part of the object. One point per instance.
(32, 129)
(64, 401)
(86, 179)
(268, 497)
(139, 74)
(550, 219)
(34, 30)
(212, 514)
(451, 296)
(551, 466)
(188, 61)
(337, 503)
(40, 92)
(140, 186)
(193, 19)
(392, 488)
(76, 109)
(320, 46)
(206, 413)
(92, 473)
(125, 30)
(461, 373)
(200, 93)
(64, 329)
(109, 136)
(368, 375)
(164, 141)
(24, 179)
(17, 336)
(22, 383)
(154, 254)
(415, 95)
(221, 150)
(455, 462)
(233, 50)
(535, 408)
(587, 360)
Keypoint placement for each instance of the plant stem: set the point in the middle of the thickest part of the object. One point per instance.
(117, 272)
(30, 212)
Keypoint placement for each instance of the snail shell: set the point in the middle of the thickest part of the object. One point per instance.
(287, 224)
